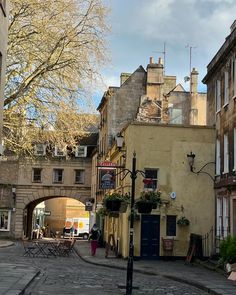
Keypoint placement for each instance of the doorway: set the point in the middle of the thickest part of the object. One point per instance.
(150, 237)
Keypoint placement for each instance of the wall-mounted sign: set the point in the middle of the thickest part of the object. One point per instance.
(106, 164)
(88, 206)
(173, 195)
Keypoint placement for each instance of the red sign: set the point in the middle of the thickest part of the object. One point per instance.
(106, 164)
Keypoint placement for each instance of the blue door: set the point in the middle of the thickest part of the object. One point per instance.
(150, 237)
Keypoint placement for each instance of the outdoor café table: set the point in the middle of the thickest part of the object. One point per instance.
(45, 248)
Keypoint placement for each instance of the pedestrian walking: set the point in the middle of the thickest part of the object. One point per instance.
(93, 238)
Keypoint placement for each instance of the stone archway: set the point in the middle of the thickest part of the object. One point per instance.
(28, 197)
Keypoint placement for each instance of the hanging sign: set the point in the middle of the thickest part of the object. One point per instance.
(107, 178)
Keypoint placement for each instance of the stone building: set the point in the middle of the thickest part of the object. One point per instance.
(4, 12)
(162, 122)
(25, 183)
(221, 97)
(149, 96)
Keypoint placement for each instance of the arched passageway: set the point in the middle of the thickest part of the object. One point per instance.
(28, 199)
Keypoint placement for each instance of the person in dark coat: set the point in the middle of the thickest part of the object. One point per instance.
(93, 238)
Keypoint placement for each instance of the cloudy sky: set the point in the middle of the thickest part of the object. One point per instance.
(140, 28)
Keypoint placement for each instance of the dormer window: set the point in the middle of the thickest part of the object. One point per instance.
(59, 152)
(80, 151)
(40, 149)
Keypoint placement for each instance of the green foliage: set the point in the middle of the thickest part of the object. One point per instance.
(117, 196)
(102, 212)
(183, 221)
(228, 250)
(153, 197)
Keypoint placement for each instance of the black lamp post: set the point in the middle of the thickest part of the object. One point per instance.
(129, 280)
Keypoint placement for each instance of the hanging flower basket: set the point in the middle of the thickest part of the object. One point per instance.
(183, 221)
(115, 202)
(113, 205)
(144, 206)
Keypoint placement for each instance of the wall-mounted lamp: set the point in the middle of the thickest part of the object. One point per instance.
(119, 141)
(14, 193)
(191, 158)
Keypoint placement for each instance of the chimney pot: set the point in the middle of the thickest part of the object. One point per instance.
(151, 60)
(160, 61)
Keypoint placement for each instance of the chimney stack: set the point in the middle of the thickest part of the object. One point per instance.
(194, 81)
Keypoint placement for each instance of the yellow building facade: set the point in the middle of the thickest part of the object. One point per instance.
(164, 148)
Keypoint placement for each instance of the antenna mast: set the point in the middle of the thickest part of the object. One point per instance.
(164, 56)
(190, 64)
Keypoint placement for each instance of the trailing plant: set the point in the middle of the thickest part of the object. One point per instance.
(153, 197)
(117, 197)
(102, 212)
(183, 221)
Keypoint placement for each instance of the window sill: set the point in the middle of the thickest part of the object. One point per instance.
(226, 105)
(225, 172)
(57, 182)
(1, 229)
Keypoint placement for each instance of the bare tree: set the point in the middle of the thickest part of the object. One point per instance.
(55, 48)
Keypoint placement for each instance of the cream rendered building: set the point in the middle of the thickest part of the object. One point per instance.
(162, 123)
(163, 149)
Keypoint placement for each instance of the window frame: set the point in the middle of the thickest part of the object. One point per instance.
(83, 176)
(8, 220)
(170, 232)
(226, 88)
(56, 174)
(226, 153)
(59, 152)
(218, 158)
(218, 95)
(40, 174)
(78, 153)
(40, 149)
(154, 185)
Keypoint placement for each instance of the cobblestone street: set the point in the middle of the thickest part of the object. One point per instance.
(71, 275)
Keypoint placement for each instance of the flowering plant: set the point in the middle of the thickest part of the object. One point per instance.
(153, 197)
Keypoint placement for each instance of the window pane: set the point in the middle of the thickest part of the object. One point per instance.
(79, 176)
(37, 174)
(58, 175)
(171, 225)
(4, 220)
(152, 175)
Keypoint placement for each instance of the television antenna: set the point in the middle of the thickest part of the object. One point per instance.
(164, 56)
(191, 47)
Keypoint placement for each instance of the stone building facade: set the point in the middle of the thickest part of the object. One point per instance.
(4, 12)
(25, 183)
(221, 110)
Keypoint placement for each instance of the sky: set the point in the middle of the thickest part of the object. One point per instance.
(139, 29)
